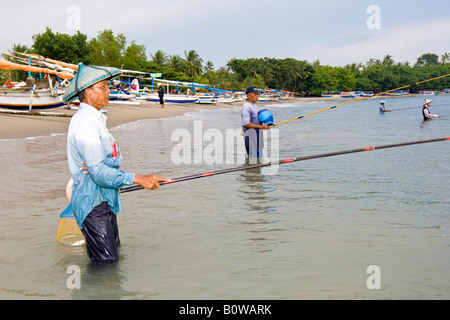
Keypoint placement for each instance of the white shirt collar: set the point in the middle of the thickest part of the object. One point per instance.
(94, 111)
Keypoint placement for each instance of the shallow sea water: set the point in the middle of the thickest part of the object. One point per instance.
(303, 230)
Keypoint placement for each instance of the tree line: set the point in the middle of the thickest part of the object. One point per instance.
(300, 76)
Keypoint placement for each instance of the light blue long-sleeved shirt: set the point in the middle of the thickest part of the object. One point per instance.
(88, 140)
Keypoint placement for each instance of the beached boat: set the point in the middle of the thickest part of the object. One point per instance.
(264, 98)
(428, 93)
(228, 100)
(364, 94)
(114, 96)
(207, 100)
(169, 98)
(347, 94)
(30, 99)
(34, 93)
(331, 94)
(396, 93)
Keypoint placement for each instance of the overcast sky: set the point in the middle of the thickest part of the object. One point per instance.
(335, 32)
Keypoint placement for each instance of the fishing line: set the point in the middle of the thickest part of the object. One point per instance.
(363, 98)
(435, 105)
(404, 109)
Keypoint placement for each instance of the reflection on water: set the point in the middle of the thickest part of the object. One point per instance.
(253, 190)
(256, 191)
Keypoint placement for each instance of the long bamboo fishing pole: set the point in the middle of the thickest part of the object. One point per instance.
(69, 233)
(247, 167)
(436, 105)
(363, 98)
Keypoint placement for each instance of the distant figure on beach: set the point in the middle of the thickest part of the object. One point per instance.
(134, 86)
(251, 125)
(382, 107)
(94, 160)
(161, 95)
(426, 110)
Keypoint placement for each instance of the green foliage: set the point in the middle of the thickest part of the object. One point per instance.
(177, 63)
(133, 57)
(327, 78)
(193, 64)
(286, 74)
(159, 58)
(428, 59)
(223, 79)
(63, 47)
(108, 49)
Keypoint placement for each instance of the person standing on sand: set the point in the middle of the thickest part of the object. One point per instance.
(251, 125)
(161, 95)
(426, 110)
(94, 160)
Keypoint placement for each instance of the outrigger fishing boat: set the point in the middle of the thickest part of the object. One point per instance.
(37, 94)
(347, 94)
(207, 99)
(30, 98)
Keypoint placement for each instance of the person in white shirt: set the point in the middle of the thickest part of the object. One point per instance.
(94, 160)
(426, 110)
(383, 108)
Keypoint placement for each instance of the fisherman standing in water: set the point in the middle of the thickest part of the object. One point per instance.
(382, 107)
(252, 125)
(426, 110)
(94, 160)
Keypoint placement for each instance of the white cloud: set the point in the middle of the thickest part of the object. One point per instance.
(405, 42)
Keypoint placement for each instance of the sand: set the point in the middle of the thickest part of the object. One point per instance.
(14, 126)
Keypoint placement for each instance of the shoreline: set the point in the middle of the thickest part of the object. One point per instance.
(21, 126)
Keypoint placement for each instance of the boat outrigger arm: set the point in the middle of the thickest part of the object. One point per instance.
(41, 58)
(7, 65)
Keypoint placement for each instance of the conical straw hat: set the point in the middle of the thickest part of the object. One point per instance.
(86, 77)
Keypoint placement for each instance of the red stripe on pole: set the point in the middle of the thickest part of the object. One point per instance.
(206, 174)
(196, 176)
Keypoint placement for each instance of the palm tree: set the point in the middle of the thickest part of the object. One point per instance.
(160, 58)
(19, 48)
(372, 62)
(209, 66)
(387, 61)
(176, 62)
(445, 58)
(193, 66)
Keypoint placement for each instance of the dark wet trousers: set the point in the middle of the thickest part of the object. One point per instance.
(102, 234)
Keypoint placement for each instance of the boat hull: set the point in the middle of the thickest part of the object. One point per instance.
(12, 99)
(169, 98)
